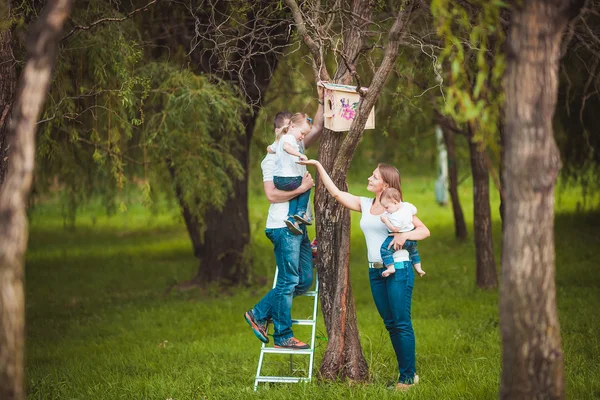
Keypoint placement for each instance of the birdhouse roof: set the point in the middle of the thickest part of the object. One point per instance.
(341, 88)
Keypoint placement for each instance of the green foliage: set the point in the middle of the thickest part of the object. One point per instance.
(194, 131)
(115, 121)
(473, 64)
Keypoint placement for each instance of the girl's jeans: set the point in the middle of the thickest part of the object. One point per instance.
(298, 204)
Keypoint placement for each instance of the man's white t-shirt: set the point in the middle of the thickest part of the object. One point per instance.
(402, 217)
(375, 233)
(277, 211)
(286, 165)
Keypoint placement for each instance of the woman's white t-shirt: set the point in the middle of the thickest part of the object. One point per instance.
(376, 232)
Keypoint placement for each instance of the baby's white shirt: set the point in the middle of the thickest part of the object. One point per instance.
(402, 218)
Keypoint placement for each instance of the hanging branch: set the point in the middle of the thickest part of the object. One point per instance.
(104, 20)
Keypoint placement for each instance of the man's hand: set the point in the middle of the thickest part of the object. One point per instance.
(307, 182)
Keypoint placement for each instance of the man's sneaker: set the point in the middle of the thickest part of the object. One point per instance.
(260, 330)
(292, 343)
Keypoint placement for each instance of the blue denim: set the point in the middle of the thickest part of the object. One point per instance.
(294, 260)
(393, 298)
(387, 255)
(298, 204)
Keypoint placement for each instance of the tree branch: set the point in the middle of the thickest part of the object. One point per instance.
(314, 49)
(366, 104)
(103, 20)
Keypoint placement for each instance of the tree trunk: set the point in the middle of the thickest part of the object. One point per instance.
(221, 246)
(8, 85)
(36, 77)
(344, 357)
(460, 227)
(486, 275)
(532, 358)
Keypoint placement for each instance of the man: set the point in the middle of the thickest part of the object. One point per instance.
(293, 254)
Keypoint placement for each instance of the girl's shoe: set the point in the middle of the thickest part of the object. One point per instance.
(293, 226)
(302, 217)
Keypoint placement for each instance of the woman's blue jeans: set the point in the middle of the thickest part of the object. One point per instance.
(393, 299)
(299, 204)
(293, 256)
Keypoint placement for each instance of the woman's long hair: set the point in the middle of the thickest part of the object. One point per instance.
(391, 176)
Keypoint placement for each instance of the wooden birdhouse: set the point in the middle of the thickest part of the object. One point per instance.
(341, 105)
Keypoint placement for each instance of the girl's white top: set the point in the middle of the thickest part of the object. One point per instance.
(376, 232)
(402, 217)
(286, 163)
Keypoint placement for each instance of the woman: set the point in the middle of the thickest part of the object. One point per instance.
(393, 294)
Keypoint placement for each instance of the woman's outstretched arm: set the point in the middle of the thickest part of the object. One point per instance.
(346, 199)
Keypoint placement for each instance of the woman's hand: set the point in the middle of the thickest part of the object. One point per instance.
(303, 157)
(398, 242)
(308, 162)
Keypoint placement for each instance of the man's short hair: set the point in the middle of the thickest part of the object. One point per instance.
(280, 119)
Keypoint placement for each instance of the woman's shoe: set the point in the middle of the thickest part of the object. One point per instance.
(303, 218)
(293, 226)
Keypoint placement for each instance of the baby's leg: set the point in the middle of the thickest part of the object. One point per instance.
(387, 255)
(415, 258)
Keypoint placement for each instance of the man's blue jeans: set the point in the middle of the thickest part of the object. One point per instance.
(294, 260)
(393, 298)
(299, 204)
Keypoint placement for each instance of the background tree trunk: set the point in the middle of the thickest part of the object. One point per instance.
(8, 84)
(460, 227)
(44, 37)
(486, 275)
(532, 358)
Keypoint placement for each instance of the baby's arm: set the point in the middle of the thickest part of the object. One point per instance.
(290, 150)
(389, 225)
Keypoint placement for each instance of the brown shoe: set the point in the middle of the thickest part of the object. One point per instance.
(292, 343)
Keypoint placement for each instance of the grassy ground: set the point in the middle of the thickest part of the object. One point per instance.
(100, 326)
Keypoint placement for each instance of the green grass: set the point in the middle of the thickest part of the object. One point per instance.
(100, 326)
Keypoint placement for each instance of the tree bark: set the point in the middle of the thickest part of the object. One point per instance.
(486, 275)
(532, 357)
(460, 227)
(344, 357)
(8, 85)
(36, 77)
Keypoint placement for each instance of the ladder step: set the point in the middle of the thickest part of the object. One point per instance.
(311, 293)
(285, 351)
(282, 379)
(304, 321)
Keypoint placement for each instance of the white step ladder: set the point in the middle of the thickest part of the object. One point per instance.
(310, 351)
